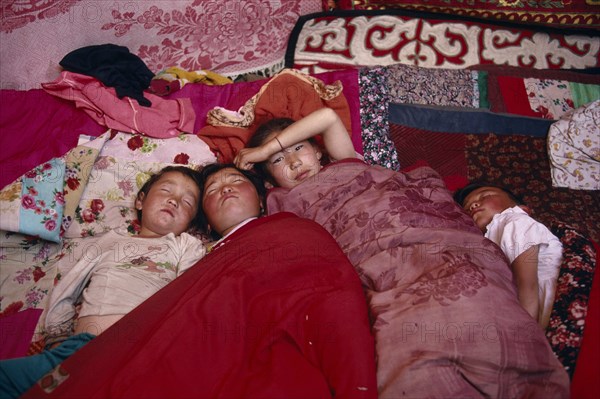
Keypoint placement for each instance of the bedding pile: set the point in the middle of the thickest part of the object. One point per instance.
(430, 101)
(264, 314)
(441, 296)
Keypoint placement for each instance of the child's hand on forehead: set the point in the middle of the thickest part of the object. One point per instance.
(247, 157)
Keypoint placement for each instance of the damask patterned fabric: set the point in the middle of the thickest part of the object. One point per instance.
(230, 37)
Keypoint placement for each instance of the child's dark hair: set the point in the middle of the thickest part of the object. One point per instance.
(184, 170)
(461, 194)
(257, 181)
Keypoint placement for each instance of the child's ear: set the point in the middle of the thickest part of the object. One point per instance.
(526, 209)
(139, 201)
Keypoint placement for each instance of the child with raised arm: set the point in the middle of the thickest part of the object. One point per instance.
(286, 152)
(534, 253)
(119, 274)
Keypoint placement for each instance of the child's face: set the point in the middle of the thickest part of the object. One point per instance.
(294, 164)
(170, 205)
(229, 199)
(485, 202)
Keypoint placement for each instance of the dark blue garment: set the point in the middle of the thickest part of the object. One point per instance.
(466, 121)
(19, 374)
(114, 66)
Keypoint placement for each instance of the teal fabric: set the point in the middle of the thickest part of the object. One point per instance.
(584, 94)
(42, 200)
(20, 374)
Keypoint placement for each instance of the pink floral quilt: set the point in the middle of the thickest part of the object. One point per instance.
(443, 305)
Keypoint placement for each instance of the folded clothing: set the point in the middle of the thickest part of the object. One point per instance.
(114, 66)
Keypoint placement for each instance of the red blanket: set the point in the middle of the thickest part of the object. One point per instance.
(275, 312)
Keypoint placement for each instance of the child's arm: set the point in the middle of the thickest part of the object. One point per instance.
(65, 295)
(525, 271)
(323, 121)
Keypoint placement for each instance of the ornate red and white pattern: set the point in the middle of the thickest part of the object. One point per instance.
(229, 37)
(334, 42)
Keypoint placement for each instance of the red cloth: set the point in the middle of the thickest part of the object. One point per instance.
(17, 331)
(445, 153)
(515, 96)
(164, 119)
(36, 127)
(585, 383)
(266, 315)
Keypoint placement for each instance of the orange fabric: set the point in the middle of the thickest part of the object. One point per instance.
(285, 96)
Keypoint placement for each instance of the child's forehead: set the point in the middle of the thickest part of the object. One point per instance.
(483, 189)
(224, 175)
(175, 178)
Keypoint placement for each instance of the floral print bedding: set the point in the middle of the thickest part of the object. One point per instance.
(39, 202)
(567, 321)
(85, 193)
(574, 149)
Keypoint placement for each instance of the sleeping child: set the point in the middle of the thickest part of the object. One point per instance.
(117, 275)
(534, 253)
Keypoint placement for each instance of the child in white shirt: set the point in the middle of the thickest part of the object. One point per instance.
(534, 253)
(117, 274)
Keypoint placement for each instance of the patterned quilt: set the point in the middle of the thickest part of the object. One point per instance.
(349, 39)
(581, 14)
